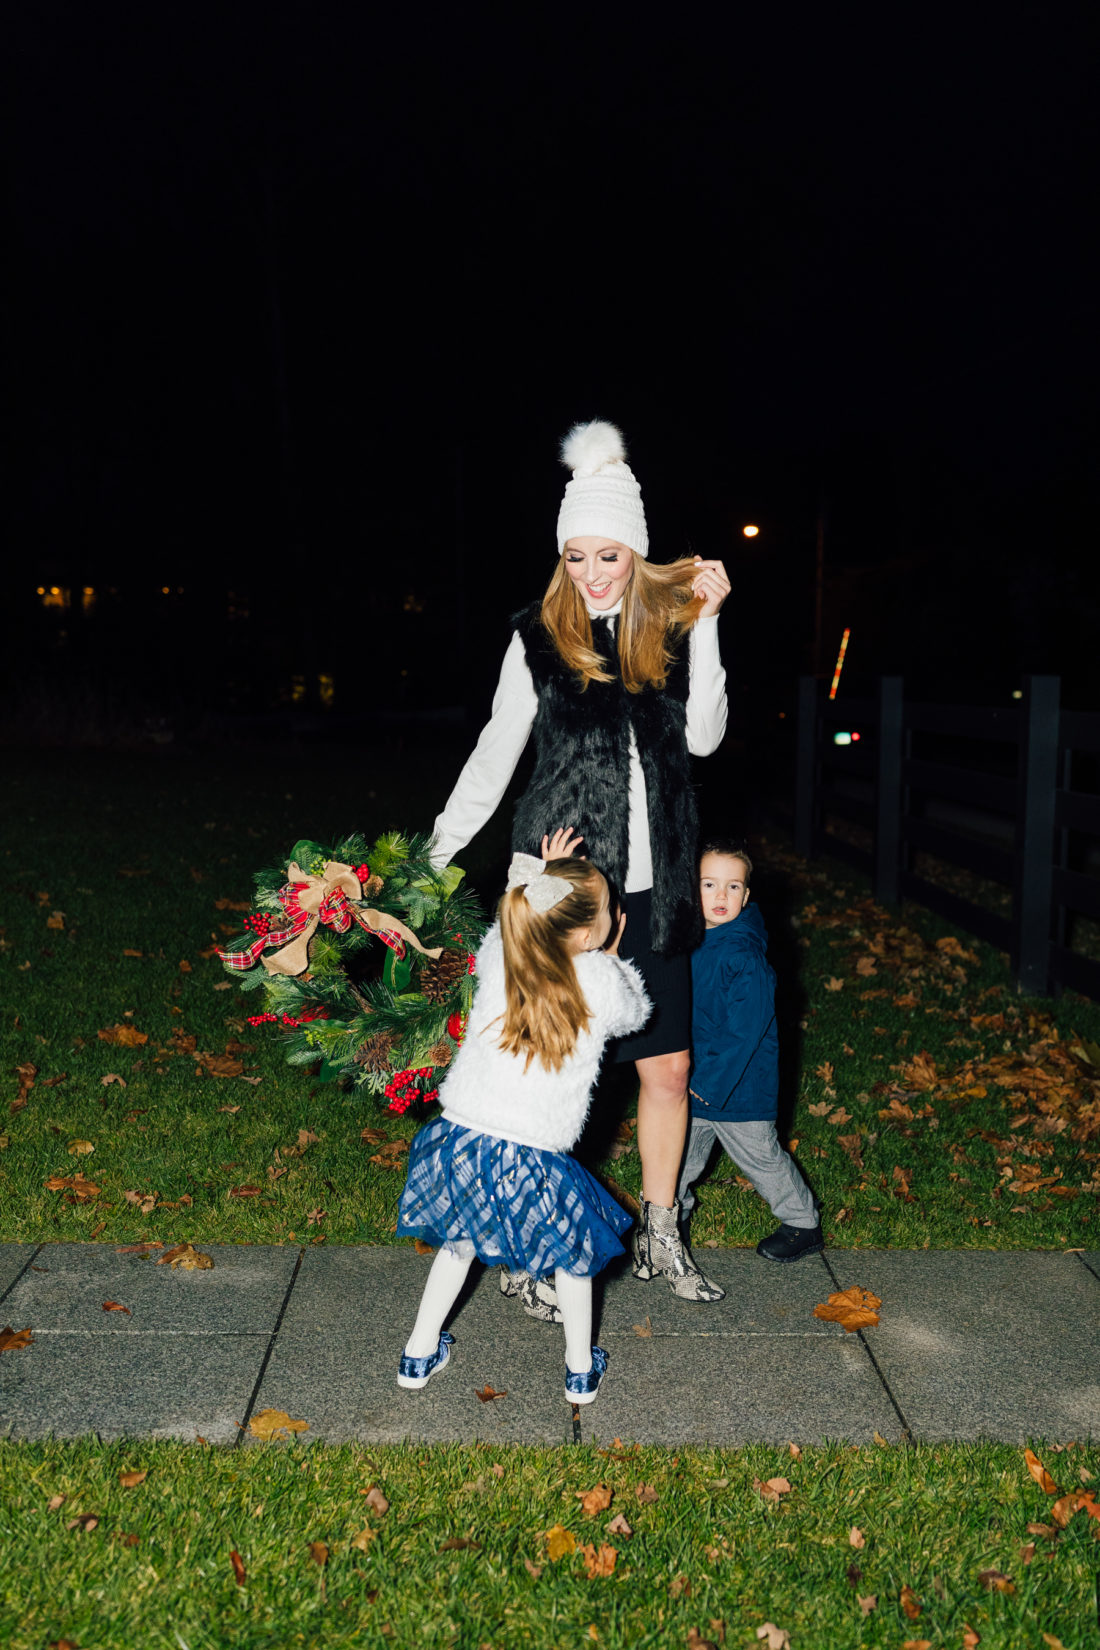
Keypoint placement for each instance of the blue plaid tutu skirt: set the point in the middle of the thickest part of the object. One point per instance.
(517, 1206)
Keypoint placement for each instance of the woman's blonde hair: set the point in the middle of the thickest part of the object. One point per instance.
(545, 1010)
(658, 608)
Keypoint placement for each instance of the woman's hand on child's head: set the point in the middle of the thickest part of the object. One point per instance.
(612, 947)
(711, 581)
(562, 845)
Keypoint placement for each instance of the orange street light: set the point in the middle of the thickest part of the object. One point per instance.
(750, 532)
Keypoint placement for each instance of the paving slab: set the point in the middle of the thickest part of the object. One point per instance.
(985, 1345)
(1091, 1259)
(13, 1258)
(762, 1298)
(155, 1386)
(346, 1389)
(732, 1390)
(64, 1291)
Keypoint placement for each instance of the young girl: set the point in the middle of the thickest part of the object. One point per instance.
(617, 674)
(492, 1177)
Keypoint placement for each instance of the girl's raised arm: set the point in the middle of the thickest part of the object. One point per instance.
(492, 762)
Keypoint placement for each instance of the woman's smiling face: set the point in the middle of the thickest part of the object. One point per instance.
(600, 568)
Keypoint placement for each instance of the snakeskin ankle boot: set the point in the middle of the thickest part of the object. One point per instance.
(658, 1247)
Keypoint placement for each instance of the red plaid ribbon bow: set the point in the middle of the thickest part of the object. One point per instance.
(309, 901)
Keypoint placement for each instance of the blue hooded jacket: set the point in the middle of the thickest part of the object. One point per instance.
(735, 1049)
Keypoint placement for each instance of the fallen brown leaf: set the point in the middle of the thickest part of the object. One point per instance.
(856, 1537)
(867, 1604)
(422, 1248)
(220, 1065)
(776, 1638)
(375, 1499)
(112, 1077)
(533, 1570)
(124, 1036)
(598, 1561)
(1027, 1552)
(1053, 1643)
(696, 1641)
(1049, 1530)
(231, 1109)
(1040, 1474)
(1064, 1508)
(619, 1526)
(910, 1603)
(186, 1258)
(246, 1191)
(239, 1571)
(772, 1488)
(131, 1480)
(55, 1501)
(594, 1501)
(78, 1189)
(854, 1308)
(560, 1542)
(318, 1552)
(646, 1494)
(488, 1393)
(268, 1423)
(794, 1451)
(643, 1329)
(995, 1582)
(83, 1521)
(834, 984)
(14, 1340)
(680, 1587)
(363, 1540)
(115, 1306)
(458, 1544)
(970, 1637)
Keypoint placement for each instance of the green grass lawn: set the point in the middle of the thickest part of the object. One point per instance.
(930, 1105)
(461, 1556)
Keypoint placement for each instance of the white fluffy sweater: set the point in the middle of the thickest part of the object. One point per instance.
(488, 1090)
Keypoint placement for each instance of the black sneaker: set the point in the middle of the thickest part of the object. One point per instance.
(791, 1243)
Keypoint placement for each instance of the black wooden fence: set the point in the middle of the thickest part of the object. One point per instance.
(990, 790)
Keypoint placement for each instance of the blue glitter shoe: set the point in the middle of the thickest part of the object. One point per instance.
(417, 1372)
(582, 1389)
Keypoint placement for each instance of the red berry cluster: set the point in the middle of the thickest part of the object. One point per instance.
(260, 923)
(471, 964)
(403, 1087)
(288, 1020)
(363, 872)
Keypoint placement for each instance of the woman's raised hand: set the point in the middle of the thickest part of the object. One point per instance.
(711, 581)
(562, 845)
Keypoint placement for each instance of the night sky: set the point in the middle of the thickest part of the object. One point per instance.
(305, 303)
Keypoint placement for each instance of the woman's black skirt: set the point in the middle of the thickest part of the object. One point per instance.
(668, 982)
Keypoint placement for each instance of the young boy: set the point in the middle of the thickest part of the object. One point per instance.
(734, 1079)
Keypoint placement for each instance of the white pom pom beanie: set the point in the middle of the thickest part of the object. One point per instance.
(603, 499)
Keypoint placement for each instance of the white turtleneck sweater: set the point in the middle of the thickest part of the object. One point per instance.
(484, 779)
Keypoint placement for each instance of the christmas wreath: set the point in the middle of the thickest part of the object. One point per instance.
(365, 958)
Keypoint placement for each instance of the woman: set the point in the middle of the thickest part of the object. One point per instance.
(617, 671)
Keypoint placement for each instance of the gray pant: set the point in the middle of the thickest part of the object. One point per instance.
(755, 1148)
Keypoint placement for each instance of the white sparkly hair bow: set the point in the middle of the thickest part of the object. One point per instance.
(541, 892)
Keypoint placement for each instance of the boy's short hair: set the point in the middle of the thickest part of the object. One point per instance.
(732, 847)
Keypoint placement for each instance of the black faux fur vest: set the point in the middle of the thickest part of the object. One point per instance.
(582, 775)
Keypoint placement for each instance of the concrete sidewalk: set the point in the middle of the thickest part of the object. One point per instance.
(970, 1345)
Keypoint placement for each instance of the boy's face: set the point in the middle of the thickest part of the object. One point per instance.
(722, 888)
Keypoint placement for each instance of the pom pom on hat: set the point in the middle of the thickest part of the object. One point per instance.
(603, 498)
(588, 447)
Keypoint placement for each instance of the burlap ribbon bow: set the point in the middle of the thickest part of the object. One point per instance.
(309, 901)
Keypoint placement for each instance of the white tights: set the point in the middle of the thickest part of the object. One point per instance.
(442, 1289)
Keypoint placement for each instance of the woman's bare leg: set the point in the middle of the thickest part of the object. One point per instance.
(662, 1123)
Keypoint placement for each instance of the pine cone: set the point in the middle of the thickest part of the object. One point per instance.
(373, 887)
(439, 978)
(441, 1054)
(376, 1054)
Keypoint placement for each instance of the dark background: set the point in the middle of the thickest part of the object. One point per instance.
(306, 301)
